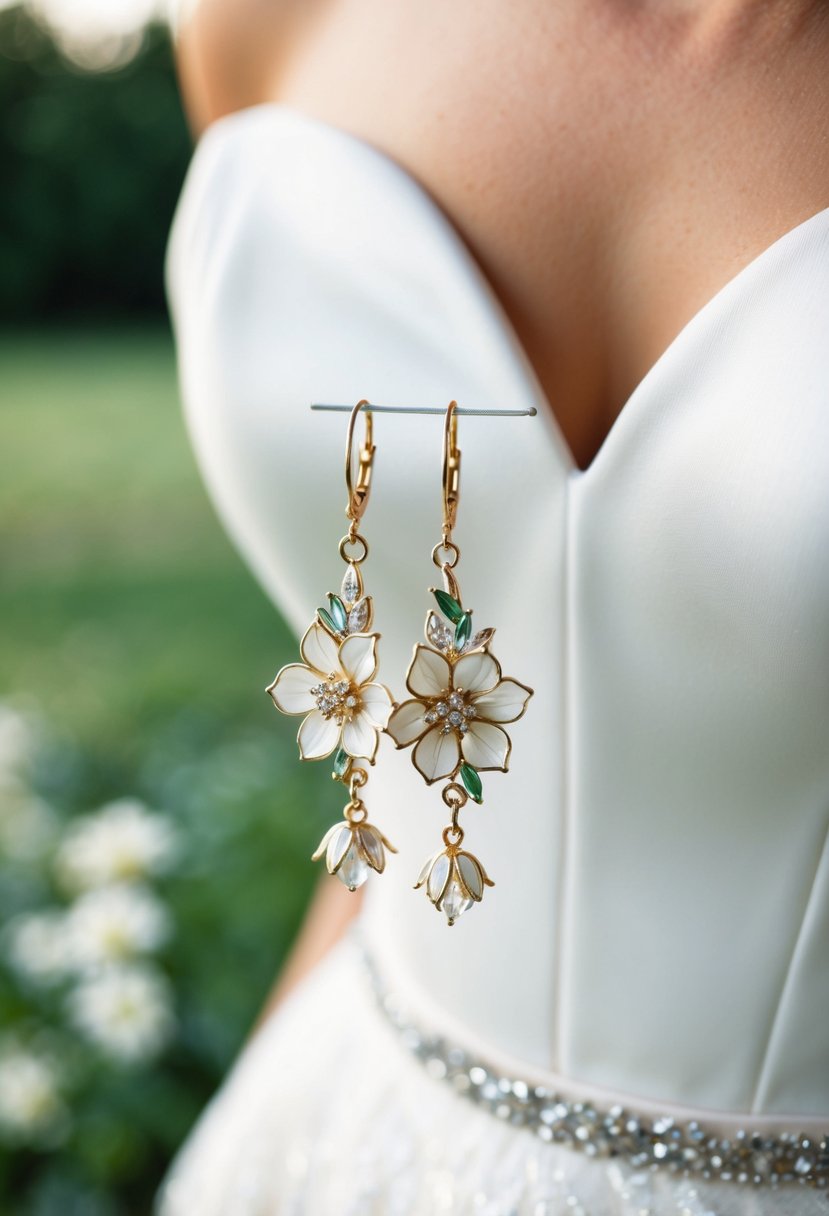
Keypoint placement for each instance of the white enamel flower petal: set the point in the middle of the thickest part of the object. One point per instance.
(438, 877)
(318, 736)
(471, 875)
(357, 658)
(291, 690)
(323, 844)
(478, 672)
(437, 755)
(319, 650)
(406, 723)
(427, 865)
(360, 737)
(376, 704)
(504, 703)
(372, 846)
(429, 674)
(486, 746)
(338, 846)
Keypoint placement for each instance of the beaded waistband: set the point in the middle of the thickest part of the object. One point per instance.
(685, 1147)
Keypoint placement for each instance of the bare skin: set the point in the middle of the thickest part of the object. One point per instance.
(331, 910)
(610, 163)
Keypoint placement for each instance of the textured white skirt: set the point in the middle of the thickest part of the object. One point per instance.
(327, 1113)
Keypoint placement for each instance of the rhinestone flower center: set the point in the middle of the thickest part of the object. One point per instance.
(336, 698)
(452, 711)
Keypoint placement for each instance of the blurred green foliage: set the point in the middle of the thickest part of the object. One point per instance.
(129, 623)
(92, 164)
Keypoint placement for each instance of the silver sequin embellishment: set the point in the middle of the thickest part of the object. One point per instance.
(643, 1141)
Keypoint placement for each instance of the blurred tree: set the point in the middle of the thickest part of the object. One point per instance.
(91, 165)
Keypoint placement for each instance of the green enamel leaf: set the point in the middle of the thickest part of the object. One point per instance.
(472, 782)
(338, 611)
(463, 629)
(342, 762)
(327, 620)
(449, 606)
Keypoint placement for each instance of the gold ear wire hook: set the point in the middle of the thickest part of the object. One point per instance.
(451, 470)
(358, 494)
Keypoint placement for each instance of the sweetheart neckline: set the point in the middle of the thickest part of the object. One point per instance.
(633, 403)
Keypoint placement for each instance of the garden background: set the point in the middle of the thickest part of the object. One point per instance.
(153, 869)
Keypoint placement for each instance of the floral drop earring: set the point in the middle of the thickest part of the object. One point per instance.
(343, 709)
(459, 703)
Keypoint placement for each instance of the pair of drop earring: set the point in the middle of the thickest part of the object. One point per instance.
(454, 719)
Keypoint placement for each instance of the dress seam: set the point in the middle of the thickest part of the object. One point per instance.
(565, 834)
(762, 1077)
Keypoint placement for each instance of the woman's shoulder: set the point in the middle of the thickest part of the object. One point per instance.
(230, 54)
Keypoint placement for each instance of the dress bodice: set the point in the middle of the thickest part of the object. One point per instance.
(660, 920)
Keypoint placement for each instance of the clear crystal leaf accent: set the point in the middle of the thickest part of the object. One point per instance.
(448, 606)
(481, 638)
(352, 586)
(359, 615)
(438, 632)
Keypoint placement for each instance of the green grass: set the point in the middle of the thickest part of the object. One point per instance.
(129, 623)
(121, 597)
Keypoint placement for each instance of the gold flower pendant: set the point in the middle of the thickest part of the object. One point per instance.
(455, 722)
(343, 713)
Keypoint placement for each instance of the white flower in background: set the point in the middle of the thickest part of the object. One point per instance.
(126, 1011)
(112, 924)
(122, 841)
(37, 945)
(31, 1108)
(17, 745)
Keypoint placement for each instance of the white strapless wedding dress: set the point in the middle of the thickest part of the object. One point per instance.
(658, 935)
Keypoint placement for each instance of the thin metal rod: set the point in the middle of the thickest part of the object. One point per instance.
(413, 409)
